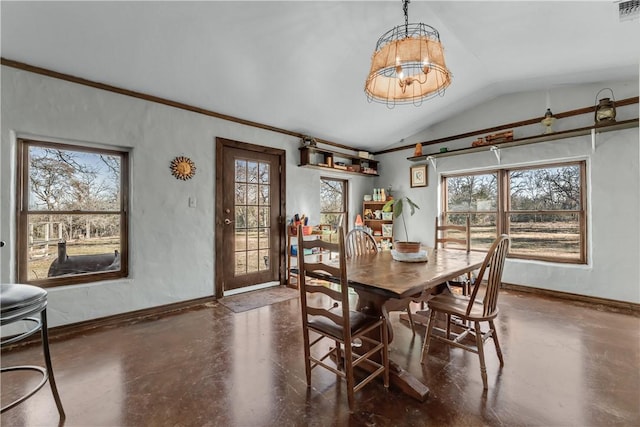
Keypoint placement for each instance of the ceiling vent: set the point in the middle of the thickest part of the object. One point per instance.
(629, 10)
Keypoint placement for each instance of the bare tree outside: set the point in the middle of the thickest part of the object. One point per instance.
(543, 212)
(73, 197)
(333, 201)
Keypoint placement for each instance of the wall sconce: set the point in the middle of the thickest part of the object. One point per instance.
(605, 109)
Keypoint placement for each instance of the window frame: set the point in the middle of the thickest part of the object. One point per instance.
(504, 209)
(23, 212)
(345, 200)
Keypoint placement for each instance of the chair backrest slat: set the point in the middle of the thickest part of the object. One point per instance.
(493, 266)
(442, 237)
(334, 270)
(359, 242)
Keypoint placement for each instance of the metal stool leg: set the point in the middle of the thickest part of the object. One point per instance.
(47, 361)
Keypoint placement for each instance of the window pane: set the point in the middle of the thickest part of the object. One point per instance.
(332, 196)
(252, 239)
(252, 261)
(264, 217)
(264, 260)
(241, 240)
(333, 202)
(61, 179)
(241, 171)
(332, 219)
(252, 216)
(241, 217)
(252, 172)
(252, 194)
(264, 195)
(472, 193)
(263, 237)
(264, 173)
(545, 235)
(241, 263)
(241, 194)
(556, 188)
(62, 245)
(484, 230)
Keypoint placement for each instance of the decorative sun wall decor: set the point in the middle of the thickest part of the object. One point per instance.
(183, 168)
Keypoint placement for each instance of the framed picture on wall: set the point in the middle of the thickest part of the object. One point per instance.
(418, 176)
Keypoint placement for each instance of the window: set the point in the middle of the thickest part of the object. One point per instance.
(72, 223)
(333, 202)
(541, 208)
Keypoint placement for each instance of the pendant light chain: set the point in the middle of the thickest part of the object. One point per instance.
(405, 7)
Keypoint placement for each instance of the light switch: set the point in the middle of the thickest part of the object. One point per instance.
(193, 202)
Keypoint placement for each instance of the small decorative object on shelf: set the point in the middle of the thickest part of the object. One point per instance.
(605, 110)
(418, 151)
(183, 168)
(500, 137)
(548, 121)
(307, 140)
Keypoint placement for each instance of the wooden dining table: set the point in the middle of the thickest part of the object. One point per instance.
(384, 284)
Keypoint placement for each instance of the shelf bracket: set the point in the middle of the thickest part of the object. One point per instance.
(433, 161)
(496, 150)
(593, 140)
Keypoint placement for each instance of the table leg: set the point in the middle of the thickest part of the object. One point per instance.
(404, 380)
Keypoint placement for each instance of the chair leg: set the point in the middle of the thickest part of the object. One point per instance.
(307, 354)
(427, 338)
(494, 334)
(413, 325)
(480, 344)
(385, 352)
(339, 359)
(348, 362)
(448, 326)
(47, 360)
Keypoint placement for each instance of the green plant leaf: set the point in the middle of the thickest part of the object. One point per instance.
(397, 208)
(412, 205)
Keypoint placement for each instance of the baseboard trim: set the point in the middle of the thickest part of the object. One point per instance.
(607, 304)
(151, 313)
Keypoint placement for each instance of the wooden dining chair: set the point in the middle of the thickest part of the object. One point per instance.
(359, 242)
(337, 322)
(460, 236)
(467, 312)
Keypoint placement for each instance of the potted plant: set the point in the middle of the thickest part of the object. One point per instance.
(399, 205)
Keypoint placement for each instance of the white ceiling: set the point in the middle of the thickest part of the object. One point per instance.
(301, 65)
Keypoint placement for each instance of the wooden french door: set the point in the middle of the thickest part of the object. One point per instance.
(249, 215)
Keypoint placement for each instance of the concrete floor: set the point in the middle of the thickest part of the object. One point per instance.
(565, 364)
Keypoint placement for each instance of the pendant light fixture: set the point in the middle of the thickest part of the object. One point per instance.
(408, 65)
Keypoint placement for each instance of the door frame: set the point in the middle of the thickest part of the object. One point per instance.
(221, 144)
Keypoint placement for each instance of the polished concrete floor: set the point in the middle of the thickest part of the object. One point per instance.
(565, 365)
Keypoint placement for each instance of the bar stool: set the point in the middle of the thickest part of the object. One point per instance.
(19, 303)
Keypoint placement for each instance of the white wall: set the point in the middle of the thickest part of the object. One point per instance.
(172, 249)
(171, 245)
(613, 212)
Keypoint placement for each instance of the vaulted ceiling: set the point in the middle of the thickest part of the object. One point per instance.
(301, 66)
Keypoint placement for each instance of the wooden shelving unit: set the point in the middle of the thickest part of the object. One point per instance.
(320, 158)
(377, 225)
(626, 124)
